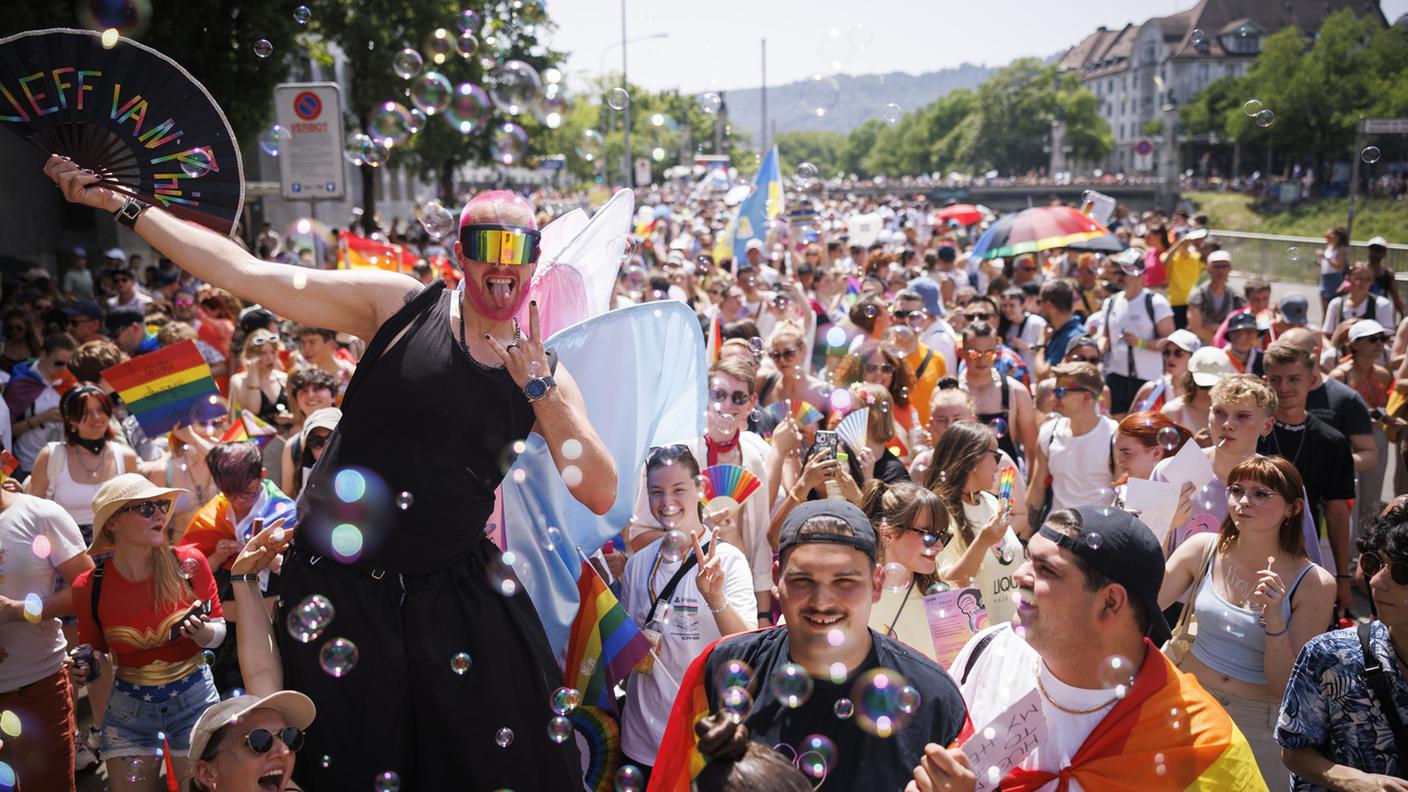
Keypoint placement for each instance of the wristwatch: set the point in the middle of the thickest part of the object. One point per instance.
(129, 212)
(538, 387)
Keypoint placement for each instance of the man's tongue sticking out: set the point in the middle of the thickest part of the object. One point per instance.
(498, 295)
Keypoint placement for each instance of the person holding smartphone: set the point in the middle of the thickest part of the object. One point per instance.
(154, 610)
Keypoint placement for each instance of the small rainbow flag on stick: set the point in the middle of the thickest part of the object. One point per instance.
(604, 644)
(729, 481)
(1005, 480)
(248, 426)
(167, 388)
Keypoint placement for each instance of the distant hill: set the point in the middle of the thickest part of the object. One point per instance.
(860, 99)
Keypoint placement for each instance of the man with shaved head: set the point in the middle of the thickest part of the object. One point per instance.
(449, 381)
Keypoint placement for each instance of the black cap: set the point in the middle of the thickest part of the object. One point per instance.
(119, 318)
(861, 537)
(162, 278)
(1126, 552)
(1241, 321)
(85, 308)
(947, 253)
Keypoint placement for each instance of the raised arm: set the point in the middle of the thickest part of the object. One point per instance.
(352, 301)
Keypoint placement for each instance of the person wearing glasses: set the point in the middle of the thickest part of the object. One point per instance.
(1154, 394)
(262, 386)
(1364, 371)
(1258, 599)
(70, 471)
(983, 308)
(1191, 407)
(789, 380)
(1334, 729)
(913, 527)
(34, 401)
(1020, 329)
(1134, 326)
(1212, 302)
(21, 340)
(313, 389)
(127, 295)
(1074, 448)
(249, 743)
(1001, 401)
(152, 609)
(85, 320)
(183, 465)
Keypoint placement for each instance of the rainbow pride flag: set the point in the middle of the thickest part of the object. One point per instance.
(248, 426)
(356, 252)
(604, 644)
(167, 388)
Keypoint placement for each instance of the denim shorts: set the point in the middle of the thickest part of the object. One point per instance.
(137, 714)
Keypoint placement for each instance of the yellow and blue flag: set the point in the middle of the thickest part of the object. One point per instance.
(763, 203)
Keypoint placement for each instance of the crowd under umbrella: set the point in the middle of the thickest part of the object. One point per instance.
(1036, 229)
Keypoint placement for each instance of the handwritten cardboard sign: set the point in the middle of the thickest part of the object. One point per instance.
(1000, 746)
(954, 617)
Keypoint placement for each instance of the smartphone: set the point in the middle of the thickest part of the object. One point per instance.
(825, 442)
(201, 608)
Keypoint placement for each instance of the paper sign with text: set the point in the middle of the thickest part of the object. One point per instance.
(1006, 740)
(954, 617)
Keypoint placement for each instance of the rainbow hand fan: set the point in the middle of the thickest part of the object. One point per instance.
(853, 428)
(729, 481)
(802, 412)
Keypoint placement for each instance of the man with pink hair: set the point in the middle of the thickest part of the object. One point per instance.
(452, 660)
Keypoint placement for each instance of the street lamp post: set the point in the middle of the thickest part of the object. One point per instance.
(601, 69)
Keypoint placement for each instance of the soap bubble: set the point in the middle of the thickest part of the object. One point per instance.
(675, 546)
(892, 113)
(263, 48)
(375, 152)
(41, 546)
(618, 98)
(803, 176)
(816, 755)
(467, 21)
(501, 576)
(894, 577)
(591, 145)
(1251, 107)
(736, 703)
(309, 618)
(10, 723)
(468, 108)
(844, 708)
(387, 782)
(559, 729)
(571, 448)
(710, 102)
(407, 63)
(733, 673)
(1370, 154)
(515, 87)
(571, 475)
(1092, 540)
(510, 143)
(405, 500)
(834, 49)
(503, 737)
(273, 140)
(819, 94)
(431, 92)
(355, 149)
(302, 14)
(999, 427)
(338, 657)
(439, 223)
(390, 124)
(1197, 38)
(791, 685)
(467, 44)
(878, 694)
(835, 637)
(1117, 673)
(461, 663)
(564, 700)
(439, 45)
(861, 36)
(1265, 118)
(1168, 438)
(197, 162)
(836, 336)
(1293, 253)
(908, 700)
(629, 779)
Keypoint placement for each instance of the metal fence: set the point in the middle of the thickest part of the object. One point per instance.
(1293, 258)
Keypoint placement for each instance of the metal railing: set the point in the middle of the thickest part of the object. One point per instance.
(1293, 258)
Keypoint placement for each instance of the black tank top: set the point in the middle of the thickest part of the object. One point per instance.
(428, 421)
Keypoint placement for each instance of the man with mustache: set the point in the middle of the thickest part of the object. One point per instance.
(1119, 715)
(828, 581)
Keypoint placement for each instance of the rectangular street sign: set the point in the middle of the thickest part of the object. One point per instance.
(310, 163)
(1384, 126)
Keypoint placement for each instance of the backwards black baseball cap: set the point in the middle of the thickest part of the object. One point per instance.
(860, 535)
(1121, 547)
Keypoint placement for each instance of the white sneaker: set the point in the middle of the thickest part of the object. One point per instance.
(83, 757)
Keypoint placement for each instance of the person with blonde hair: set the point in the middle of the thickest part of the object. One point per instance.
(789, 379)
(262, 387)
(950, 405)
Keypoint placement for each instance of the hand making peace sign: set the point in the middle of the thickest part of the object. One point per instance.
(710, 578)
(525, 358)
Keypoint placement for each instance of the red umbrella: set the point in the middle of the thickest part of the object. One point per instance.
(965, 214)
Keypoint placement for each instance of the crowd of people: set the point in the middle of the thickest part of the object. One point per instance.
(1151, 500)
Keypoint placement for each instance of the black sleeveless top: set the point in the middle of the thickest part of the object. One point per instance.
(430, 422)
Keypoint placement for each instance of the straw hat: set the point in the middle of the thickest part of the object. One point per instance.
(117, 492)
(297, 709)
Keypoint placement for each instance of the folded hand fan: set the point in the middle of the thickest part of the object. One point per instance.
(853, 428)
(127, 113)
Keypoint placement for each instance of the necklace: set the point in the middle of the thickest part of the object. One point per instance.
(517, 336)
(1067, 710)
(93, 471)
(1276, 437)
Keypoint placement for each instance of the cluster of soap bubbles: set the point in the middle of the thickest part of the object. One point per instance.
(886, 701)
(307, 620)
(1258, 113)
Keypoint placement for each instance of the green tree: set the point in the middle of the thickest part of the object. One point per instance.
(1016, 107)
(822, 149)
(858, 145)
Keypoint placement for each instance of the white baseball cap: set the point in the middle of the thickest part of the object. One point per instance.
(1366, 328)
(1185, 340)
(1219, 256)
(1208, 365)
(1377, 241)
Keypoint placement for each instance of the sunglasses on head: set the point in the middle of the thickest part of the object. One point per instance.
(665, 454)
(499, 244)
(739, 398)
(261, 741)
(147, 508)
(1371, 562)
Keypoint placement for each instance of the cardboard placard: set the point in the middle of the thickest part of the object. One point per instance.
(1000, 746)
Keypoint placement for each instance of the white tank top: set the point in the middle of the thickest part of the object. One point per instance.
(76, 498)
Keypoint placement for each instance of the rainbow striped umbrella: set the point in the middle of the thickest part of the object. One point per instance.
(1038, 228)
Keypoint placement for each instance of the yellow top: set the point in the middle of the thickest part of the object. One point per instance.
(1184, 267)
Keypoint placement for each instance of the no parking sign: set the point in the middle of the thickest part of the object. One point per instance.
(311, 164)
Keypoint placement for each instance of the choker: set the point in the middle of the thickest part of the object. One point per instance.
(93, 446)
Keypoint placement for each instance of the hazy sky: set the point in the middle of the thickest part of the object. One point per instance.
(714, 44)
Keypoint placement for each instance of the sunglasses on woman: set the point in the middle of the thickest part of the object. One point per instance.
(1094, 361)
(784, 355)
(879, 368)
(1174, 352)
(147, 508)
(1371, 562)
(933, 538)
(739, 398)
(261, 741)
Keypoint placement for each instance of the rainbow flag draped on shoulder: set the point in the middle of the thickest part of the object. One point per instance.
(604, 644)
(1203, 750)
(248, 426)
(764, 203)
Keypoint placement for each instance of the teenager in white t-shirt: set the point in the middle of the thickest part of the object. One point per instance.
(1074, 447)
(712, 599)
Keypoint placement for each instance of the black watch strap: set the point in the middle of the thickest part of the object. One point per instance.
(130, 211)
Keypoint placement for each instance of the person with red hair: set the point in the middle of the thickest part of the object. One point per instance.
(1140, 442)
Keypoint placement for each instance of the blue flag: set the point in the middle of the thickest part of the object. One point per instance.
(762, 204)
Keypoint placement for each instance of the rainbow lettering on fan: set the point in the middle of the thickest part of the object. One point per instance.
(35, 97)
(136, 108)
(194, 163)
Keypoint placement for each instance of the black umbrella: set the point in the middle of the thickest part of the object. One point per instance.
(1108, 243)
(129, 114)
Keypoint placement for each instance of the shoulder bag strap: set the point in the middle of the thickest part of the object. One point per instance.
(973, 657)
(98, 590)
(924, 364)
(1381, 682)
(1203, 568)
(58, 460)
(669, 590)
